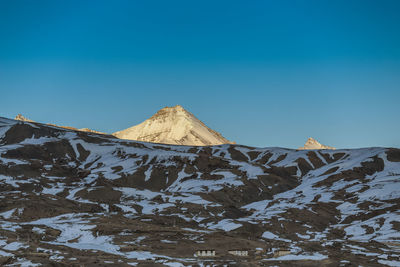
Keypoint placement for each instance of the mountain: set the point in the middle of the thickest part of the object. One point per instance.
(72, 198)
(19, 117)
(314, 144)
(175, 126)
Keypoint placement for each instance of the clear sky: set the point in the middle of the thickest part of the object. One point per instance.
(263, 73)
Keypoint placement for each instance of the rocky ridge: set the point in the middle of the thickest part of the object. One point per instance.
(19, 117)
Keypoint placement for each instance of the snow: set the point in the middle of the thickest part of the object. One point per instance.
(144, 198)
(189, 198)
(5, 254)
(56, 257)
(168, 241)
(141, 255)
(303, 236)
(173, 264)
(378, 188)
(148, 174)
(126, 209)
(24, 263)
(150, 208)
(136, 193)
(12, 181)
(226, 225)
(7, 214)
(290, 257)
(38, 230)
(38, 141)
(269, 235)
(355, 230)
(14, 246)
(10, 226)
(74, 227)
(252, 171)
(76, 233)
(12, 161)
(136, 241)
(198, 185)
(195, 230)
(393, 263)
(52, 191)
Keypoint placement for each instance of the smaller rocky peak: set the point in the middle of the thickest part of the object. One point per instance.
(314, 144)
(19, 117)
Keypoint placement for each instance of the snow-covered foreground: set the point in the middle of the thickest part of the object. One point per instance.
(73, 197)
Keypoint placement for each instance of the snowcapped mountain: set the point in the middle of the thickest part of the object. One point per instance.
(314, 144)
(175, 126)
(71, 198)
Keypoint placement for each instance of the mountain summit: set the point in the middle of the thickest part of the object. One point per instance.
(176, 126)
(314, 144)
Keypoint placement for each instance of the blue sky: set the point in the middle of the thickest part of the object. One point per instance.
(263, 73)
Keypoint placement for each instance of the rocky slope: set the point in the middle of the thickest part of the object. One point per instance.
(176, 126)
(71, 198)
(314, 144)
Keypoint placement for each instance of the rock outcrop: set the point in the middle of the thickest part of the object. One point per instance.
(314, 144)
(19, 117)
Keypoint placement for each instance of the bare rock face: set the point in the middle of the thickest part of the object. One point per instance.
(314, 144)
(176, 126)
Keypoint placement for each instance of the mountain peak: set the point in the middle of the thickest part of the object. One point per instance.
(173, 125)
(314, 144)
(171, 111)
(177, 108)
